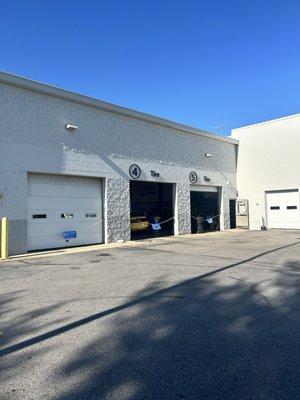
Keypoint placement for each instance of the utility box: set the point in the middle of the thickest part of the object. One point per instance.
(242, 214)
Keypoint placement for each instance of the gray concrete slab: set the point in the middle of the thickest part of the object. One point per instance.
(208, 317)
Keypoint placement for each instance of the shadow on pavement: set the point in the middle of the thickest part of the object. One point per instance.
(204, 340)
(207, 342)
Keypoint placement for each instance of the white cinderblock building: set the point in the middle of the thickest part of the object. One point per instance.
(63, 186)
(268, 173)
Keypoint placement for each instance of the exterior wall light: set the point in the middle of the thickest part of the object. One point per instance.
(208, 155)
(70, 127)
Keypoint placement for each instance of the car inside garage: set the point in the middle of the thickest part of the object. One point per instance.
(151, 209)
(63, 211)
(205, 209)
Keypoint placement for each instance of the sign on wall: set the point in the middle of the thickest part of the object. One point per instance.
(193, 177)
(154, 174)
(70, 234)
(134, 171)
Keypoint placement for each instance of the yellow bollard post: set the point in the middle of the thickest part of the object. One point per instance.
(4, 238)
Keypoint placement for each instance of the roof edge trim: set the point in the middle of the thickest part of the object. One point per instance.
(49, 90)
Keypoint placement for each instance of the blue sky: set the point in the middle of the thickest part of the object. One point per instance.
(202, 63)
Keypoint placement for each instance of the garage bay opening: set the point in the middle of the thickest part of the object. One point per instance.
(205, 210)
(152, 209)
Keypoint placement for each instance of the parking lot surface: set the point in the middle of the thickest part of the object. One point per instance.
(211, 316)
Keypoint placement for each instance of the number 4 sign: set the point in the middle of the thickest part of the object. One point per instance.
(134, 171)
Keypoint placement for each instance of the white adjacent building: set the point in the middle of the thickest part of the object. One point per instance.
(268, 173)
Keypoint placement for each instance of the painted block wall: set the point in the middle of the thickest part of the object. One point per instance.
(33, 138)
(268, 159)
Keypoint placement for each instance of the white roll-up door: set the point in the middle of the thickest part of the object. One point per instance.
(283, 209)
(63, 211)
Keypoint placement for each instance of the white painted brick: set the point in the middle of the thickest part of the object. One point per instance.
(33, 134)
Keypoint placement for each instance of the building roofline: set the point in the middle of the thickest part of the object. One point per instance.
(49, 90)
(267, 122)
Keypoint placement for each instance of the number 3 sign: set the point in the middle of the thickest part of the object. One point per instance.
(134, 171)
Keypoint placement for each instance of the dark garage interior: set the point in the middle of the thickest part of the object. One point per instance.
(205, 212)
(232, 207)
(151, 204)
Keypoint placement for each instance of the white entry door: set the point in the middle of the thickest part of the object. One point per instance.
(283, 209)
(63, 211)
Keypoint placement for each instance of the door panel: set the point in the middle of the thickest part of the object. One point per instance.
(283, 209)
(57, 204)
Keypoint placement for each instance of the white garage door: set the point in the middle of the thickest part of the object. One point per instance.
(63, 211)
(283, 209)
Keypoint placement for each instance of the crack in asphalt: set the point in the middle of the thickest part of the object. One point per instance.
(254, 289)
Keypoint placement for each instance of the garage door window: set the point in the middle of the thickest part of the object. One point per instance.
(67, 215)
(291, 207)
(274, 208)
(39, 216)
(91, 215)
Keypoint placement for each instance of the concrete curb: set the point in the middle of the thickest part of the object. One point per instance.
(133, 243)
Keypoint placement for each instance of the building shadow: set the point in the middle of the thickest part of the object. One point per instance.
(24, 324)
(199, 340)
(203, 338)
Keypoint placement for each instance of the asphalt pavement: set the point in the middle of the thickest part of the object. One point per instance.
(204, 317)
